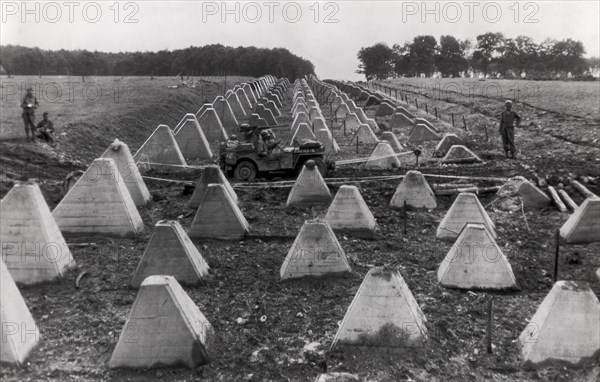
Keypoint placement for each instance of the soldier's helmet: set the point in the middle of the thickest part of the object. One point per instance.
(508, 102)
(264, 134)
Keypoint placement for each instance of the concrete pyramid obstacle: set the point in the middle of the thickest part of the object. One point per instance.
(203, 109)
(401, 121)
(341, 112)
(583, 225)
(211, 174)
(299, 108)
(191, 140)
(218, 217)
(447, 142)
(19, 331)
(564, 330)
(235, 104)
(384, 110)
(226, 116)
(160, 148)
(460, 154)
(426, 122)
(99, 204)
(164, 328)
(407, 113)
(250, 93)
(303, 132)
(273, 107)
(415, 191)
(383, 313)
(170, 252)
(184, 120)
(348, 213)
(298, 119)
(309, 189)
(329, 144)
(383, 157)
(476, 262)
(211, 126)
(364, 136)
(315, 253)
(391, 138)
(533, 198)
(319, 124)
(33, 247)
(352, 106)
(256, 120)
(352, 123)
(119, 152)
(465, 209)
(266, 114)
(422, 133)
(315, 113)
(243, 98)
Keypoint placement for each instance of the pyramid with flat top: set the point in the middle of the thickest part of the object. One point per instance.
(99, 204)
(460, 154)
(19, 331)
(210, 174)
(465, 209)
(119, 152)
(383, 157)
(401, 121)
(422, 133)
(383, 313)
(33, 248)
(218, 216)
(329, 144)
(171, 252)
(303, 132)
(364, 135)
(160, 148)
(391, 138)
(315, 253)
(298, 119)
(309, 189)
(164, 328)
(211, 126)
(191, 140)
(225, 114)
(415, 191)
(475, 261)
(447, 142)
(349, 214)
(533, 198)
(583, 225)
(564, 331)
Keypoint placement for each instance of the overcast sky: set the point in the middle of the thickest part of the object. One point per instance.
(327, 33)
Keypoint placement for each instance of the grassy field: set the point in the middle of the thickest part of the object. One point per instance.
(569, 97)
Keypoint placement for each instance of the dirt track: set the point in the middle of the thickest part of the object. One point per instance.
(80, 325)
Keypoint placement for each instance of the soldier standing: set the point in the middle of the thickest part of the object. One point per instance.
(29, 104)
(508, 120)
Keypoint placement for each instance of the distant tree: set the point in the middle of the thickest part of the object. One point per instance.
(488, 45)
(567, 57)
(422, 55)
(402, 66)
(376, 61)
(450, 60)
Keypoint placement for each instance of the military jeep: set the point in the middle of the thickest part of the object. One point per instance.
(240, 159)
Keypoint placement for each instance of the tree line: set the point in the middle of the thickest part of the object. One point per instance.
(213, 59)
(491, 55)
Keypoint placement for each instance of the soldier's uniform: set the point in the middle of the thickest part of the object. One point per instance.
(45, 128)
(508, 120)
(29, 104)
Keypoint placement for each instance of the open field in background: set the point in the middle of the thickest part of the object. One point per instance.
(577, 98)
(80, 326)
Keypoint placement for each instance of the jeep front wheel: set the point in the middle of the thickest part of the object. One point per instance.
(245, 170)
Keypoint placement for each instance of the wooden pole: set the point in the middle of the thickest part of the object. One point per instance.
(405, 217)
(556, 199)
(556, 254)
(490, 324)
(464, 122)
(436, 113)
(568, 201)
(452, 119)
(582, 189)
(426, 109)
(417, 103)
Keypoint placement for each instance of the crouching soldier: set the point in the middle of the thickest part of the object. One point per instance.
(45, 129)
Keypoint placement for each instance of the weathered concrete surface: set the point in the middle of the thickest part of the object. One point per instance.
(211, 126)
(465, 209)
(160, 148)
(309, 189)
(191, 140)
(349, 214)
(415, 190)
(383, 157)
(583, 226)
(210, 174)
(460, 154)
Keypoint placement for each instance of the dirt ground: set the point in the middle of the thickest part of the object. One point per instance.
(80, 326)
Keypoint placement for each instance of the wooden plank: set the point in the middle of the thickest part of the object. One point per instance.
(583, 189)
(568, 201)
(556, 198)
